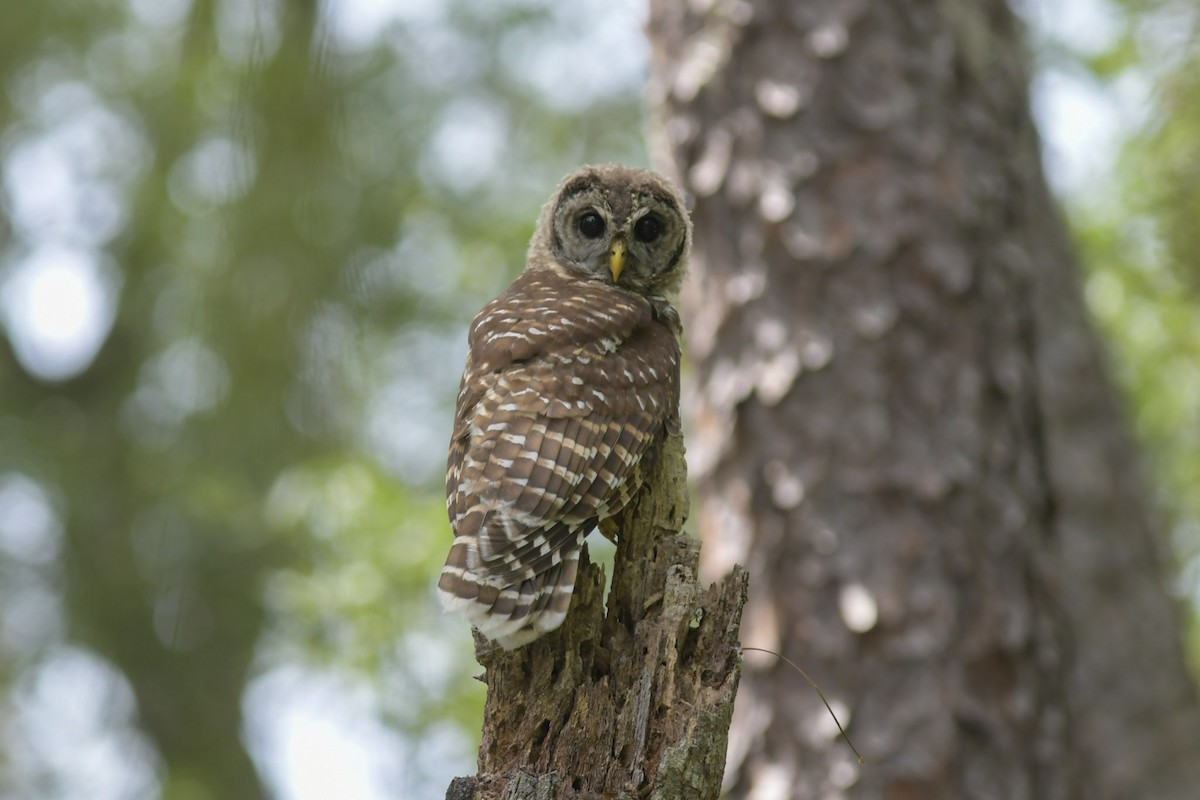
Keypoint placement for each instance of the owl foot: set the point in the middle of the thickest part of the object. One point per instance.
(609, 529)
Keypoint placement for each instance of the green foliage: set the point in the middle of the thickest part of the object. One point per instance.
(1141, 244)
(374, 545)
(292, 225)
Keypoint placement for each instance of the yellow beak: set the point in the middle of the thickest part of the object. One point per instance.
(616, 261)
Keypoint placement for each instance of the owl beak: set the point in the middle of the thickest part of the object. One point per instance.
(616, 261)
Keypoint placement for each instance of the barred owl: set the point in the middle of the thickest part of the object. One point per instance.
(571, 381)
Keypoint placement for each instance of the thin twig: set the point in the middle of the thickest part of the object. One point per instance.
(816, 689)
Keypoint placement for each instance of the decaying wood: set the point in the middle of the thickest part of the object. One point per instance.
(632, 703)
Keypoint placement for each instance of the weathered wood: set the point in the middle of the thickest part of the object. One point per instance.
(632, 703)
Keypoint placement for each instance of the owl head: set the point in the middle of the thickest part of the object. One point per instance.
(617, 225)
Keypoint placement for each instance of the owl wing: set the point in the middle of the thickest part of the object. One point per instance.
(563, 395)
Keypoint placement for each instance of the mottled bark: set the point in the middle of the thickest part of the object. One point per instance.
(635, 703)
(901, 420)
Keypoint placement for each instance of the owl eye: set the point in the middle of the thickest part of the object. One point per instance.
(591, 225)
(647, 229)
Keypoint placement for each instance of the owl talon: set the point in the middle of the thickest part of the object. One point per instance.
(609, 529)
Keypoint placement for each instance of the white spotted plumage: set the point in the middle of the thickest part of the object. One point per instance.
(571, 380)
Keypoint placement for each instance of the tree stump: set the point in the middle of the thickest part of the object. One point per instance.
(632, 703)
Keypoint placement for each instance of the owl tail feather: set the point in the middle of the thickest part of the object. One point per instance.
(514, 615)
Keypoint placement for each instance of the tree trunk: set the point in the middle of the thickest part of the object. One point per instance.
(635, 703)
(902, 423)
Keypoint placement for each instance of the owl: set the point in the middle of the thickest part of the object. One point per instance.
(571, 383)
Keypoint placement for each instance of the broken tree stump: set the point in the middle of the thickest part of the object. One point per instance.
(634, 703)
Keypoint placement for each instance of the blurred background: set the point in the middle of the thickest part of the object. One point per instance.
(240, 243)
